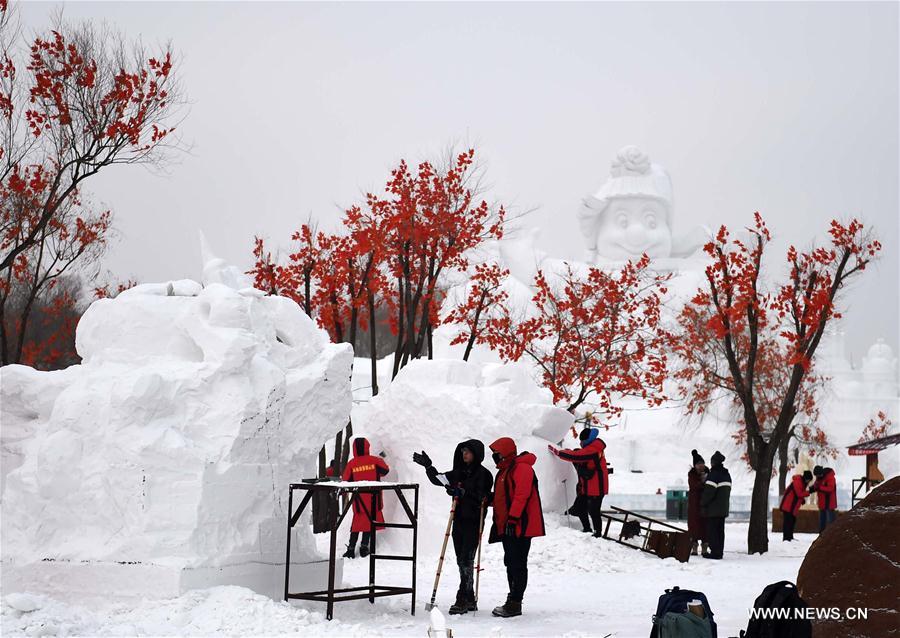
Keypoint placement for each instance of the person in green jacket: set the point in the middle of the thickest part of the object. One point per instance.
(714, 505)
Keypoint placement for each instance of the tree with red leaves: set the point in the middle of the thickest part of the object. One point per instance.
(485, 293)
(431, 219)
(733, 329)
(69, 245)
(393, 254)
(81, 101)
(592, 337)
(877, 429)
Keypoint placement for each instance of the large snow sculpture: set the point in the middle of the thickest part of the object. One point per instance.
(631, 214)
(161, 463)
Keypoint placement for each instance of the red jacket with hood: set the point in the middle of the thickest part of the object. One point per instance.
(826, 490)
(516, 493)
(794, 495)
(590, 465)
(365, 467)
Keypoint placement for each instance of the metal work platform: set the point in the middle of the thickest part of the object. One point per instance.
(328, 492)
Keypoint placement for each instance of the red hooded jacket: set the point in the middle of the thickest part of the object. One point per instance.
(590, 464)
(516, 493)
(826, 490)
(365, 467)
(794, 495)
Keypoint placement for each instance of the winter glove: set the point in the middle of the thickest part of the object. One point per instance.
(422, 459)
(812, 488)
(455, 492)
(511, 524)
(553, 450)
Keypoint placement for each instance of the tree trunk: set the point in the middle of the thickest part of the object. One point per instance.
(473, 329)
(307, 285)
(401, 325)
(783, 464)
(758, 531)
(372, 343)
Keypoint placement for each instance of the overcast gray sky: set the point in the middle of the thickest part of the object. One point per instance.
(790, 109)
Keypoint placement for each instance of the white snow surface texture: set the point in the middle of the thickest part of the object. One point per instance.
(173, 442)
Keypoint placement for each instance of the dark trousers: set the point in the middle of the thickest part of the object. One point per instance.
(590, 507)
(715, 535)
(515, 557)
(367, 539)
(787, 528)
(826, 518)
(465, 543)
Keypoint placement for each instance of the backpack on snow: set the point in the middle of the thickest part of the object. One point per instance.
(780, 595)
(675, 601)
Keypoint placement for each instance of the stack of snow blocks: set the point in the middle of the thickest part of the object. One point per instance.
(162, 462)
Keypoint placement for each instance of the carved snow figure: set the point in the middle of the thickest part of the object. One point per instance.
(631, 214)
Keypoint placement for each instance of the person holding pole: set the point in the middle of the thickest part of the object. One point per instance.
(469, 483)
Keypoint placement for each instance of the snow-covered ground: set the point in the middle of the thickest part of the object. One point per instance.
(578, 586)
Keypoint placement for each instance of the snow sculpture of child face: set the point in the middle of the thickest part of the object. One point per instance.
(630, 214)
(631, 226)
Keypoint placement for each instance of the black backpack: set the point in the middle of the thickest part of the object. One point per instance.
(780, 595)
(676, 599)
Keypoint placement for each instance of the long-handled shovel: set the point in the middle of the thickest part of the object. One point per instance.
(437, 576)
(478, 561)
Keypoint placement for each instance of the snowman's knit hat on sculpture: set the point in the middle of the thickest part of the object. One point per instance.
(632, 174)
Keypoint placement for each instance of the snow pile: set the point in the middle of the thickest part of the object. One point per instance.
(433, 405)
(162, 461)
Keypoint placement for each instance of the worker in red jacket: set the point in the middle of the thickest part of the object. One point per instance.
(825, 488)
(793, 498)
(593, 475)
(518, 518)
(364, 467)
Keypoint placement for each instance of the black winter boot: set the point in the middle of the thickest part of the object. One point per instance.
(364, 550)
(461, 605)
(351, 552)
(508, 609)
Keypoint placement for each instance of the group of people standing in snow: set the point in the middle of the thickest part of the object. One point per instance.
(709, 499)
(709, 494)
(518, 517)
(821, 481)
(513, 495)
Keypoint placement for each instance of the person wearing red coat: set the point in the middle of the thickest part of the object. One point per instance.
(518, 518)
(364, 467)
(793, 498)
(696, 524)
(593, 476)
(825, 488)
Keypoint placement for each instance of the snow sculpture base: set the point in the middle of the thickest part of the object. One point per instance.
(162, 462)
(89, 580)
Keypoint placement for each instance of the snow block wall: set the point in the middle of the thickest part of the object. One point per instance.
(162, 462)
(433, 405)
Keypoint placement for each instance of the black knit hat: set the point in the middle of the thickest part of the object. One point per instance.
(807, 476)
(717, 458)
(819, 470)
(697, 458)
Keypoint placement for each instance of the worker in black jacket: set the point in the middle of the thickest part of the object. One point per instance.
(714, 505)
(470, 483)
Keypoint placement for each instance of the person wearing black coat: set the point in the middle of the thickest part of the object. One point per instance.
(714, 504)
(470, 483)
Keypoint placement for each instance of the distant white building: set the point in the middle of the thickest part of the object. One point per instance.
(855, 394)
